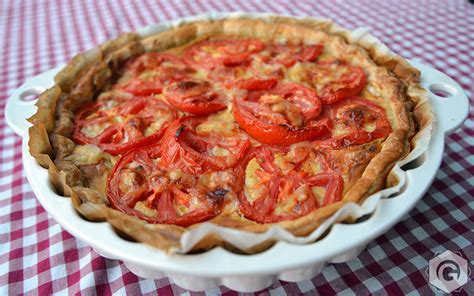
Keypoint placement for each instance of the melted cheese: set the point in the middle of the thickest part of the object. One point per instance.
(222, 122)
(219, 151)
(87, 155)
(251, 190)
(128, 180)
(283, 162)
(312, 166)
(142, 208)
(289, 202)
(319, 193)
(296, 73)
(146, 75)
(156, 125)
(175, 174)
(216, 179)
(200, 74)
(93, 130)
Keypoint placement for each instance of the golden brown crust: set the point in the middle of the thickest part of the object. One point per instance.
(390, 76)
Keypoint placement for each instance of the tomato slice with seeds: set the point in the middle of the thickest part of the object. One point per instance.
(152, 71)
(209, 54)
(283, 115)
(357, 121)
(195, 96)
(194, 153)
(335, 80)
(120, 124)
(140, 185)
(285, 184)
(288, 54)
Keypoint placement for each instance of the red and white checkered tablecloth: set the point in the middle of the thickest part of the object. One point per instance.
(38, 257)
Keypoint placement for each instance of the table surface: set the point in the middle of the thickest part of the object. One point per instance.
(38, 257)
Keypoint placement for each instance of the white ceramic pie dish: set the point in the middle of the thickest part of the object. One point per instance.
(218, 266)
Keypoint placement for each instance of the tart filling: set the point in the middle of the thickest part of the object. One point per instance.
(212, 122)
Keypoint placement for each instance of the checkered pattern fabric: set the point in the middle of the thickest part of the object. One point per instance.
(38, 257)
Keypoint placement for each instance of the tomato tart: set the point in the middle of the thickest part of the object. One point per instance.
(243, 123)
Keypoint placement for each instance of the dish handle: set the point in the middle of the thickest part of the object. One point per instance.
(449, 100)
(21, 103)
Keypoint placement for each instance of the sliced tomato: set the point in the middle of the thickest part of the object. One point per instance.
(288, 54)
(209, 54)
(225, 74)
(335, 80)
(195, 96)
(283, 115)
(195, 153)
(252, 84)
(279, 190)
(359, 121)
(141, 186)
(118, 124)
(152, 71)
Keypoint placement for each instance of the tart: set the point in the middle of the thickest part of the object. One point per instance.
(243, 123)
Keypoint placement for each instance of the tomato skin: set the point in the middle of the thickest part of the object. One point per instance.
(142, 88)
(357, 111)
(178, 70)
(253, 84)
(355, 83)
(233, 52)
(111, 139)
(334, 186)
(305, 98)
(200, 106)
(178, 153)
(166, 211)
(310, 53)
(347, 80)
(262, 209)
(84, 112)
(288, 54)
(283, 134)
(134, 144)
(196, 97)
(277, 134)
